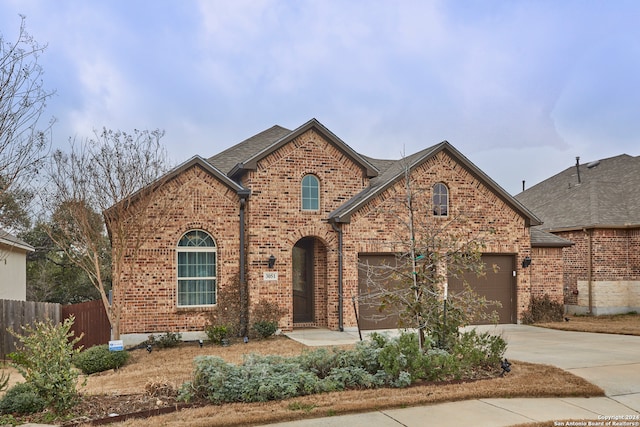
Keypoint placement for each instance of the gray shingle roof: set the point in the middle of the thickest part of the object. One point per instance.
(393, 170)
(229, 158)
(11, 240)
(543, 239)
(608, 195)
(382, 173)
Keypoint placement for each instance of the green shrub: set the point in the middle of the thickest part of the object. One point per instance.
(22, 398)
(168, 340)
(44, 358)
(98, 359)
(216, 333)
(478, 350)
(380, 361)
(264, 328)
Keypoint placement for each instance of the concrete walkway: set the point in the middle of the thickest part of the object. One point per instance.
(609, 361)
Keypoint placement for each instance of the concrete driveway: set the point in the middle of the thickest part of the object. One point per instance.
(609, 361)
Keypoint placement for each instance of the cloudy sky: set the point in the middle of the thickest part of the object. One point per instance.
(520, 87)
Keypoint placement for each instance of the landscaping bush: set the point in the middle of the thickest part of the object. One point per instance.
(380, 361)
(265, 315)
(168, 340)
(22, 398)
(228, 310)
(217, 333)
(478, 350)
(264, 329)
(44, 358)
(543, 309)
(98, 359)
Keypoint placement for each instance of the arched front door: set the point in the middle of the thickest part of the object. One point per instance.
(303, 280)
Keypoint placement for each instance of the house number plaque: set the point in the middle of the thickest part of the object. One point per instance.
(270, 275)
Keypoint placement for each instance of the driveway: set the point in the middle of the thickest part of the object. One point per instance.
(609, 361)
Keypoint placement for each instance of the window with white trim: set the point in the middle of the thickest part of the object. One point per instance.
(440, 199)
(310, 193)
(196, 269)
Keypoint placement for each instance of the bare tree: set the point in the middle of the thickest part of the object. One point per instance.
(23, 145)
(414, 288)
(115, 174)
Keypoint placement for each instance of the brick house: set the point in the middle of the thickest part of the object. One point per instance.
(290, 214)
(597, 207)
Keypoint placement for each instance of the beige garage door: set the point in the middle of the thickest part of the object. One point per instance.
(496, 285)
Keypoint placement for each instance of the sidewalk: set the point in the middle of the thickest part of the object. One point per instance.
(482, 412)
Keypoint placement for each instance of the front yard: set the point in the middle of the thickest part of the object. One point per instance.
(148, 383)
(626, 324)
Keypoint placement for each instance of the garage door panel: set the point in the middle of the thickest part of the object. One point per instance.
(496, 285)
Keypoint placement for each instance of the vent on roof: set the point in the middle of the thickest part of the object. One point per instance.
(593, 164)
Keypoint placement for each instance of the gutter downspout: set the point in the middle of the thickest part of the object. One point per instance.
(589, 268)
(243, 194)
(340, 296)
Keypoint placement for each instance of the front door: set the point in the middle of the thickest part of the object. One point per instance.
(303, 281)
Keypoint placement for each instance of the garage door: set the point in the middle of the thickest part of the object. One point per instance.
(496, 285)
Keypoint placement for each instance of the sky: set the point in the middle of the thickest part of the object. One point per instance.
(521, 88)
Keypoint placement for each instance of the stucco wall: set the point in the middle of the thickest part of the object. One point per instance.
(13, 273)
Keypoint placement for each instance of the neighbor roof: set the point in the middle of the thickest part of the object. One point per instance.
(607, 195)
(9, 239)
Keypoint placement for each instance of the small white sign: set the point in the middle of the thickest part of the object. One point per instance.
(270, 275)
(117, 345)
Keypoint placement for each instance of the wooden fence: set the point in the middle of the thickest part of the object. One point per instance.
(15, 314)
(91, 320)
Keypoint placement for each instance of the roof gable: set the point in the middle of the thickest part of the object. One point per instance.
(10, 240)
(246, 155)
(606, 194)
(394, 171)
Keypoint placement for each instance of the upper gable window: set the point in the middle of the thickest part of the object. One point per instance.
(310, 193)
(440, 200)
(196, 269)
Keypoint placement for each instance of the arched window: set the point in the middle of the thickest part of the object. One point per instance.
(310, 193)
(440, 200)
(196, 269)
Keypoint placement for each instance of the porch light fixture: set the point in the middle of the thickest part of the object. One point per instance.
(272, 261)
(526, 262)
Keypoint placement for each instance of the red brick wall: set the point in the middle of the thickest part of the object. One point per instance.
(615, 256)
(149, 304)
(372, 227)
(546, 271)
(275, 221)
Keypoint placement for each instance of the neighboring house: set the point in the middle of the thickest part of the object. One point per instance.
(287, 215)
(13, 267)
(597, 207)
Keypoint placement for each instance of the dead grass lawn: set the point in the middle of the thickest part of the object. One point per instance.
(626, 324)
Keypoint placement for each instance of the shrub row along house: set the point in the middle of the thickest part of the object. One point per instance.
(289, 215)
(597, 207)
